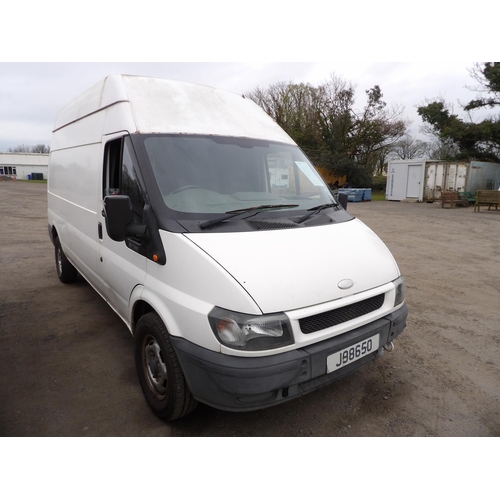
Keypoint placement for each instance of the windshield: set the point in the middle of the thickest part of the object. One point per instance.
(208, 175)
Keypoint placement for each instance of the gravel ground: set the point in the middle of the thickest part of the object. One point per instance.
(66, 360)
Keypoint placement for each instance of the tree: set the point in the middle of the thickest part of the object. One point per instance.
(488, 78)
(379, 129)
(408, 148)
(324, 122)
(40, 148)
(293, 108)
(443, 150)
(23, 148)
(475, 141)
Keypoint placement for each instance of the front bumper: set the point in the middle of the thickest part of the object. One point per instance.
(242, 384)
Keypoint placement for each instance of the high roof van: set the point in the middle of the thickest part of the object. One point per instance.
(243, 279)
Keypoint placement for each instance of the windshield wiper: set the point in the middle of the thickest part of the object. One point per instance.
(234, 213)
(315, 210)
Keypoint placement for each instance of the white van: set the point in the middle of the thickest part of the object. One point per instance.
(198, 219)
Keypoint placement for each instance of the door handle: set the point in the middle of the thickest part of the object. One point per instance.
(99, 230)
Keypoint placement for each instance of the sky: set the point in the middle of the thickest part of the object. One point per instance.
(52, 51)
(31, 93)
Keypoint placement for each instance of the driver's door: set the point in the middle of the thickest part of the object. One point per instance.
(122, 265)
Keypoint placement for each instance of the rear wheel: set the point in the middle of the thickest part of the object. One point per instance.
(65, 270)
(159, 370)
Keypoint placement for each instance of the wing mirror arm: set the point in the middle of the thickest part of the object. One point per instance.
(343, 198)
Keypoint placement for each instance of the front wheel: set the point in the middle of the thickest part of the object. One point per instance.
(159, 371)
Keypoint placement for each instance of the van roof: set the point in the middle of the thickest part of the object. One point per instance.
(169, 106)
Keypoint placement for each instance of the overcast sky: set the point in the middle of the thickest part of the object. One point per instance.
(32, 93)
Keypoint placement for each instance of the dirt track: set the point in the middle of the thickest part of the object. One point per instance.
(66, 360)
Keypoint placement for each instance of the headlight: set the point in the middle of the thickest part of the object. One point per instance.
(250, 333)
(399, 284)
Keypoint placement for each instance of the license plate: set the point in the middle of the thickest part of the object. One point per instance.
(351, 354)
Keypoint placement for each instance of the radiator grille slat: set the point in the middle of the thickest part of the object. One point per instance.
(335, 317)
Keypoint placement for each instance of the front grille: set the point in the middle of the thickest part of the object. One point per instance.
(341, 315)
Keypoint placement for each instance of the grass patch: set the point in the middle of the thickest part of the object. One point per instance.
(378, 195)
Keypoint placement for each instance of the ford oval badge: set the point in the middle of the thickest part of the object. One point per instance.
(345, 284)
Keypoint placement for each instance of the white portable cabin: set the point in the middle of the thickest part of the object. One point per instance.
(424, 180)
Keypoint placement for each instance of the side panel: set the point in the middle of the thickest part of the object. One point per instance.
(431, 181)
(440, 179)
(462, 174)
(397, 179)
(88, 130)
(456, 176)
(73, 203)
(434, 178)
(483, 176)
(75, 196)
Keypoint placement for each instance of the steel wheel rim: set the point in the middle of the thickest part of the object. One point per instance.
(154, 367)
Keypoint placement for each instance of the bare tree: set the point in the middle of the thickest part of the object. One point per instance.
(23, 148)
(408, 148)
(325, 123)
(40, 148)
(443, 150)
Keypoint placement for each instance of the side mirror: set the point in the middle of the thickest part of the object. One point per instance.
(120, 218)
(343, 198)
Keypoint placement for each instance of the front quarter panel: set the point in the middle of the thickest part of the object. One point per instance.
(188, 286)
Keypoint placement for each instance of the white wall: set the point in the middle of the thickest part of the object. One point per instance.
(24, 164)
(403, 182)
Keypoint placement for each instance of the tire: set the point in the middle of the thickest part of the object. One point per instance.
(159, 371)
(65, 270)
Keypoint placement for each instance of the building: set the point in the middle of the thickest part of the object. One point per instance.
(24, 165)
(424, 180)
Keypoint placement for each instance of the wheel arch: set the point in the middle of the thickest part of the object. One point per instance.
(53, 233)
(183, 317)
(142, 303)
(140, 308)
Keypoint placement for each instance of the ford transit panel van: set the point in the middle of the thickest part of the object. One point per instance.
(243, 280)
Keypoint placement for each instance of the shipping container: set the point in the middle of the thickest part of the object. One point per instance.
(424, 180)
